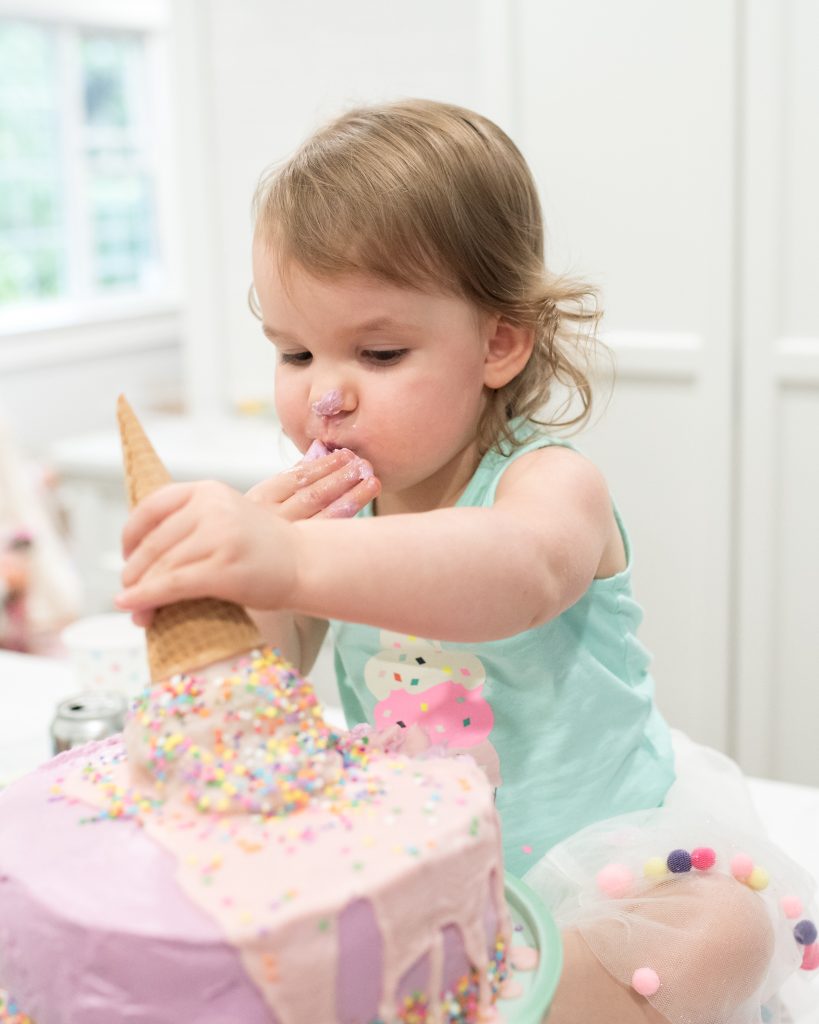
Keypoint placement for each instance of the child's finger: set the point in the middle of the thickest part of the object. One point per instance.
(143, 618)
(154, 546)
(151, 511)
(184, 571)
(161, 589)
(312, 500)
(279, 488)
(353, 501)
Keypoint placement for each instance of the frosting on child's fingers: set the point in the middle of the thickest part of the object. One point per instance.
(315, 451)
(310, 467)
(277, 489)
(351, 503)
(358, 469)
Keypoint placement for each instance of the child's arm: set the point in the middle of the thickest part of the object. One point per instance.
(459, 574)
(467, 574)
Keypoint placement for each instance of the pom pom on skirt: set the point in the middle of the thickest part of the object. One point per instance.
(691, 904)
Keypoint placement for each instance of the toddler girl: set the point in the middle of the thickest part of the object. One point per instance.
(471, 561)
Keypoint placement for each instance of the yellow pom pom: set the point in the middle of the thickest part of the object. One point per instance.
(758, 879)
(655, 867)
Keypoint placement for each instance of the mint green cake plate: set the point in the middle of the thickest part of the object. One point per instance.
(533, 926)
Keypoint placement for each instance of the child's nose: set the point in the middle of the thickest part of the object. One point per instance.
(332, 402)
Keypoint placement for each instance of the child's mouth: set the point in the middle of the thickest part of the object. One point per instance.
(318, 449)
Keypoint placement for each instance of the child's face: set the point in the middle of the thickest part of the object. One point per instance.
(396, 375)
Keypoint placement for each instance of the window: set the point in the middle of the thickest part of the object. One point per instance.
(79, 186)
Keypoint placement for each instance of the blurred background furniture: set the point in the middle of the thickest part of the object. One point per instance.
(237, 450)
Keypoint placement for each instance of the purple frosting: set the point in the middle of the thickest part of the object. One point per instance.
(95, 928)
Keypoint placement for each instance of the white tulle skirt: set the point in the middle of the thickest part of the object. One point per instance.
(728, 942)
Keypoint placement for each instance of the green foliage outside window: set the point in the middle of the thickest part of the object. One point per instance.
(77, 197)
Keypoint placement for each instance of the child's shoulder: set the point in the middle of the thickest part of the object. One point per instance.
(542, 459)
(554, 470)
(553, 483)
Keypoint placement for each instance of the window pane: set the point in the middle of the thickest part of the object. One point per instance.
(122, 219)
(121, 207)
(30, 272)
(32, 215)
(26, 64)
(113, 72)
(78, 209)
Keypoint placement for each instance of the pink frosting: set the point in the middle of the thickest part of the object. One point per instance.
(329, 404)
(315, 451)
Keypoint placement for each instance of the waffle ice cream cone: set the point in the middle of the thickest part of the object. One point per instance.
(185, 635)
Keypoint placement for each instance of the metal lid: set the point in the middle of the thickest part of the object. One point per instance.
(93, 704)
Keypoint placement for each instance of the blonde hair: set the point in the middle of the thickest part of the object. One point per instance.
(433, 196)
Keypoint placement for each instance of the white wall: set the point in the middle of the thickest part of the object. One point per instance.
(634, 151)
(64, 391)
(777, 563)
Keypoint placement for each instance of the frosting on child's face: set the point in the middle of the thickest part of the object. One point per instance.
(395, 374)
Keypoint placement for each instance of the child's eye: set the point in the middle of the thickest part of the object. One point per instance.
(384, 356)
(296, 358)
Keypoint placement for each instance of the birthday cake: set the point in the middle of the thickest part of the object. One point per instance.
(231, 857)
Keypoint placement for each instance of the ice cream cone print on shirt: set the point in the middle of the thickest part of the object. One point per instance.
(418, 682)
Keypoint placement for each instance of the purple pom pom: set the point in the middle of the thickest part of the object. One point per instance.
(805, 933)
(679, 861)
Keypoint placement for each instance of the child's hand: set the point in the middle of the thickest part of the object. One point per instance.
(334, 486)
(205, 540)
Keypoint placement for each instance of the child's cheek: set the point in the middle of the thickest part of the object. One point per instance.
(291, 414)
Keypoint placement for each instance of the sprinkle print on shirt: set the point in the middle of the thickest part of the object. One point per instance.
(418, 682)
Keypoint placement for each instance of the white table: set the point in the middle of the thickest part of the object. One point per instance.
(30, 689)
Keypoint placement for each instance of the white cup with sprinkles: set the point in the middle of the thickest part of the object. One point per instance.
(107, 652)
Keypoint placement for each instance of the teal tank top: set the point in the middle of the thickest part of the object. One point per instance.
(561, 717)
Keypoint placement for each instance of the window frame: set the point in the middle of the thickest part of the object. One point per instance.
(34, 333)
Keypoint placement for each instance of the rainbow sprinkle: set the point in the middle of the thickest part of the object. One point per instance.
(10, 1012)
(460, 1005)
(253, 742)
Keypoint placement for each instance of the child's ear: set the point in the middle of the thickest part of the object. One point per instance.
(508, 348)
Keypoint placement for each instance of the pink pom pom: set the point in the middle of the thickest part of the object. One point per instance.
(810, 957)
(615, 880)
(741, 867)
(644, 981)
(791, 906)
(703, 858)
